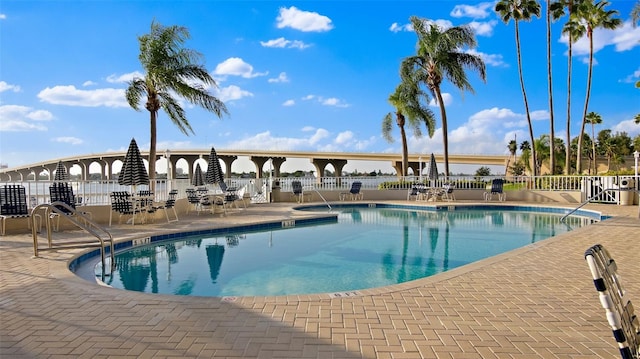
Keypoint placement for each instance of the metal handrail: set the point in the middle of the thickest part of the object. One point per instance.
(592, 198)
(319, 194)
(80, 220)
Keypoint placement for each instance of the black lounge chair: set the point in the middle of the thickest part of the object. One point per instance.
(496, 189)
(63, 192)
(615, 300)
(122, 203)
(297, 191)
(169, 204)
(13, 204)
(355, 191)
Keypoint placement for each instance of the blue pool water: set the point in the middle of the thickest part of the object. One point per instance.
(364, 248)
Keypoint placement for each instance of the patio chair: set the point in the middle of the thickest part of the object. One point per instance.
(63, 192)
(446, 193)
(496, 189)
(122, 203)
(412, 192)
(194, 198)
(614, 299)
(13, 204)
(169, 204)
(296, 191)
(355, 192)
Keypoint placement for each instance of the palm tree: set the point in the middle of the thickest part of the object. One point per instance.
(440, 55)
(525, 156)
(408, 100)
(520, 10)
(557, 9)
(635, 14)
(552, 161)
(513, 148)
(594, 118)
(170, 70)
(589, 17)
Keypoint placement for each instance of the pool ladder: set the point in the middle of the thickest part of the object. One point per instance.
(319, 194)
(103, 238)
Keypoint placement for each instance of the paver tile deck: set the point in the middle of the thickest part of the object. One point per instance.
(533, 302)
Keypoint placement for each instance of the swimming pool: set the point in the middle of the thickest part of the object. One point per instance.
(360, 248)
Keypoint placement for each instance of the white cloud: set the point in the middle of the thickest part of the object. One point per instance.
(483, 28)
(479, 11)
(489, 59)
(71, 96)
(319, 135)
(623, 38)
(333, 102)
(309, 97)
(626, 37)
(281, 78)
(235, 66)
(22, 118)
(283, 43)
(88, 83)
(231, 93)
(6, 87)
(446, 97)
(69, 140)
(395, 27)
(124, 78)
(288, 103)
(539, 115)
(628, 126)
(344, 137)
(633, 77)
(308, 129)
(303, 20)
(3, 16)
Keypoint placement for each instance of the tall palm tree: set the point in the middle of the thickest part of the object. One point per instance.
(552, 133)
(409, 101)
(520, 10)
(525, 156)
(591, 16)
(513, 148)
(170, 70)
(594, 119)
(557, 10)
(440, 55)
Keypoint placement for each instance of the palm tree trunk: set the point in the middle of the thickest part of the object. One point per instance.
(552, 145)
(445, 132)
(152, 152)
(586, 103)
(593, 146)
(567, 164)
(405, 147)
(526, 103)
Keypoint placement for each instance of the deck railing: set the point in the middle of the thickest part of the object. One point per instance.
(98, 192)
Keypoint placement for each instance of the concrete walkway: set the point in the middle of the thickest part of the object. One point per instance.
(533, 302)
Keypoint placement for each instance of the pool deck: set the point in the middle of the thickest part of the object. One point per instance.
(533, 302)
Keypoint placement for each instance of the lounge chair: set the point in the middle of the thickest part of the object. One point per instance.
(169, 204)
(63, 192)
(446, 192)
(615, 300)
(297, 192)
(496, 189)
(413, 192)
(355, 192)
(13, 204)
(123, 204)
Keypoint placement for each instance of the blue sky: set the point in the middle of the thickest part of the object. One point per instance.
(295, 75)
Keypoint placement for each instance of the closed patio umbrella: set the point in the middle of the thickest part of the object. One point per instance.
(433, 171)
(61, 174)
(133, 172)
(198, 177)
(214, 171)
